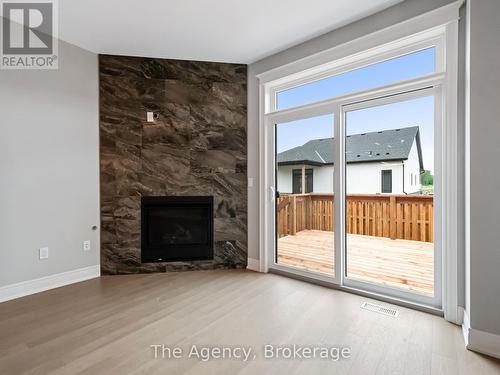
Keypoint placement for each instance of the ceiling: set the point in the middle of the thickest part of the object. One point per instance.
(240, 31)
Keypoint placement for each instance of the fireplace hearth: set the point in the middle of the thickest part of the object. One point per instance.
(176, 228)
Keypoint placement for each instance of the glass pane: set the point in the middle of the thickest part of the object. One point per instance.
(390, 195)
(386, 72)
(304, 182)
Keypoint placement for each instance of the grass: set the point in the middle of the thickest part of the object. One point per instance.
(428, 189)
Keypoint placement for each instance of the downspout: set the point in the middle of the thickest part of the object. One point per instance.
(404, 192)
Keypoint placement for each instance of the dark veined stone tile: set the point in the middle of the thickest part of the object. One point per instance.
(151, 185)
(230, 185)
(219, 115)
(166, 162)
(197, 147)
(167, 131)
(196, 265)
(177, 92)
(108, 233)
(231, 254)
(225, 207)
(230, 94)
(213, 161)
(230, 229)
(128, 208)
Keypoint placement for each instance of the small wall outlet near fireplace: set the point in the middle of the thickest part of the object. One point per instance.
(43, 252)
(86, 245)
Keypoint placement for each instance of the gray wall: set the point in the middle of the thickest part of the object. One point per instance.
(390, 16)
(484, 246)
(49, 168)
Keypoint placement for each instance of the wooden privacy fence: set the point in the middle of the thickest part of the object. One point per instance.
(407, 217)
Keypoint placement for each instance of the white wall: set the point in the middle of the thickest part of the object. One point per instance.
(412, 171)
(398, 13)
(366, 178)
(284, 178)
(483, 179)
(362, 178)
(49, 167)
(323, 179)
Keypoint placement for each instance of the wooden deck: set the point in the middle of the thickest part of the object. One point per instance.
(403, 264)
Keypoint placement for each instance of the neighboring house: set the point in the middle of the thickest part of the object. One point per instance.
(388, 161)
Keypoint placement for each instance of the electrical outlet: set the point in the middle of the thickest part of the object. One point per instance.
(86, 245)
(43, 252)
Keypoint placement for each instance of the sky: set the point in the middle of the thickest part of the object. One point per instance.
(416, 112)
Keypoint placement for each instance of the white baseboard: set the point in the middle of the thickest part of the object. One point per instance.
(480, 341)
(253, 264)
(466, 328)
(28, 287)
(460, 315)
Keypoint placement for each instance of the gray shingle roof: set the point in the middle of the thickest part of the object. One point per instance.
(394, 144)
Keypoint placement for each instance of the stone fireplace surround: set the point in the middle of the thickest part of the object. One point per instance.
(196, 147)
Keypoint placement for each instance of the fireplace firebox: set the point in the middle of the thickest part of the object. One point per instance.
(176, 228)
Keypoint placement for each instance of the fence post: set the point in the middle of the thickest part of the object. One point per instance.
(392, 217)
(293, 214)
(310, 212)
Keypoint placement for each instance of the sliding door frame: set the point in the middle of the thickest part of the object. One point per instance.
(338, 107)
(443, 83)
(436, 300)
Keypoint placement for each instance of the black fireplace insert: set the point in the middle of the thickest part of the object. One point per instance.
(176, 228)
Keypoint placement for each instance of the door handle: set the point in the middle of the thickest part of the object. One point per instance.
(272, 193)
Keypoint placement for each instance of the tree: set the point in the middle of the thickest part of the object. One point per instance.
(426, 178)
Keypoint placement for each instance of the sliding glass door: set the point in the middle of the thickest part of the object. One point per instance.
(356, 194)
(389, 207)
(354, 185)
(304, 210)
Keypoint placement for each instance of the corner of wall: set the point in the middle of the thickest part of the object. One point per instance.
(480, 341)
(253, 264)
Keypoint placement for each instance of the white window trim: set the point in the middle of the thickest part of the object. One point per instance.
(437, 28)
(399, 35)
(419, 42)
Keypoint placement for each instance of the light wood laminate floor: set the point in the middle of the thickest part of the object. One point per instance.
(107, 326)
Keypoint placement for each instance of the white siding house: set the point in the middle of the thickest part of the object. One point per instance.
(386, 162)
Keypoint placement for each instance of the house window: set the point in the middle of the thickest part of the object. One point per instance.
(297, 181)
(387, 181)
